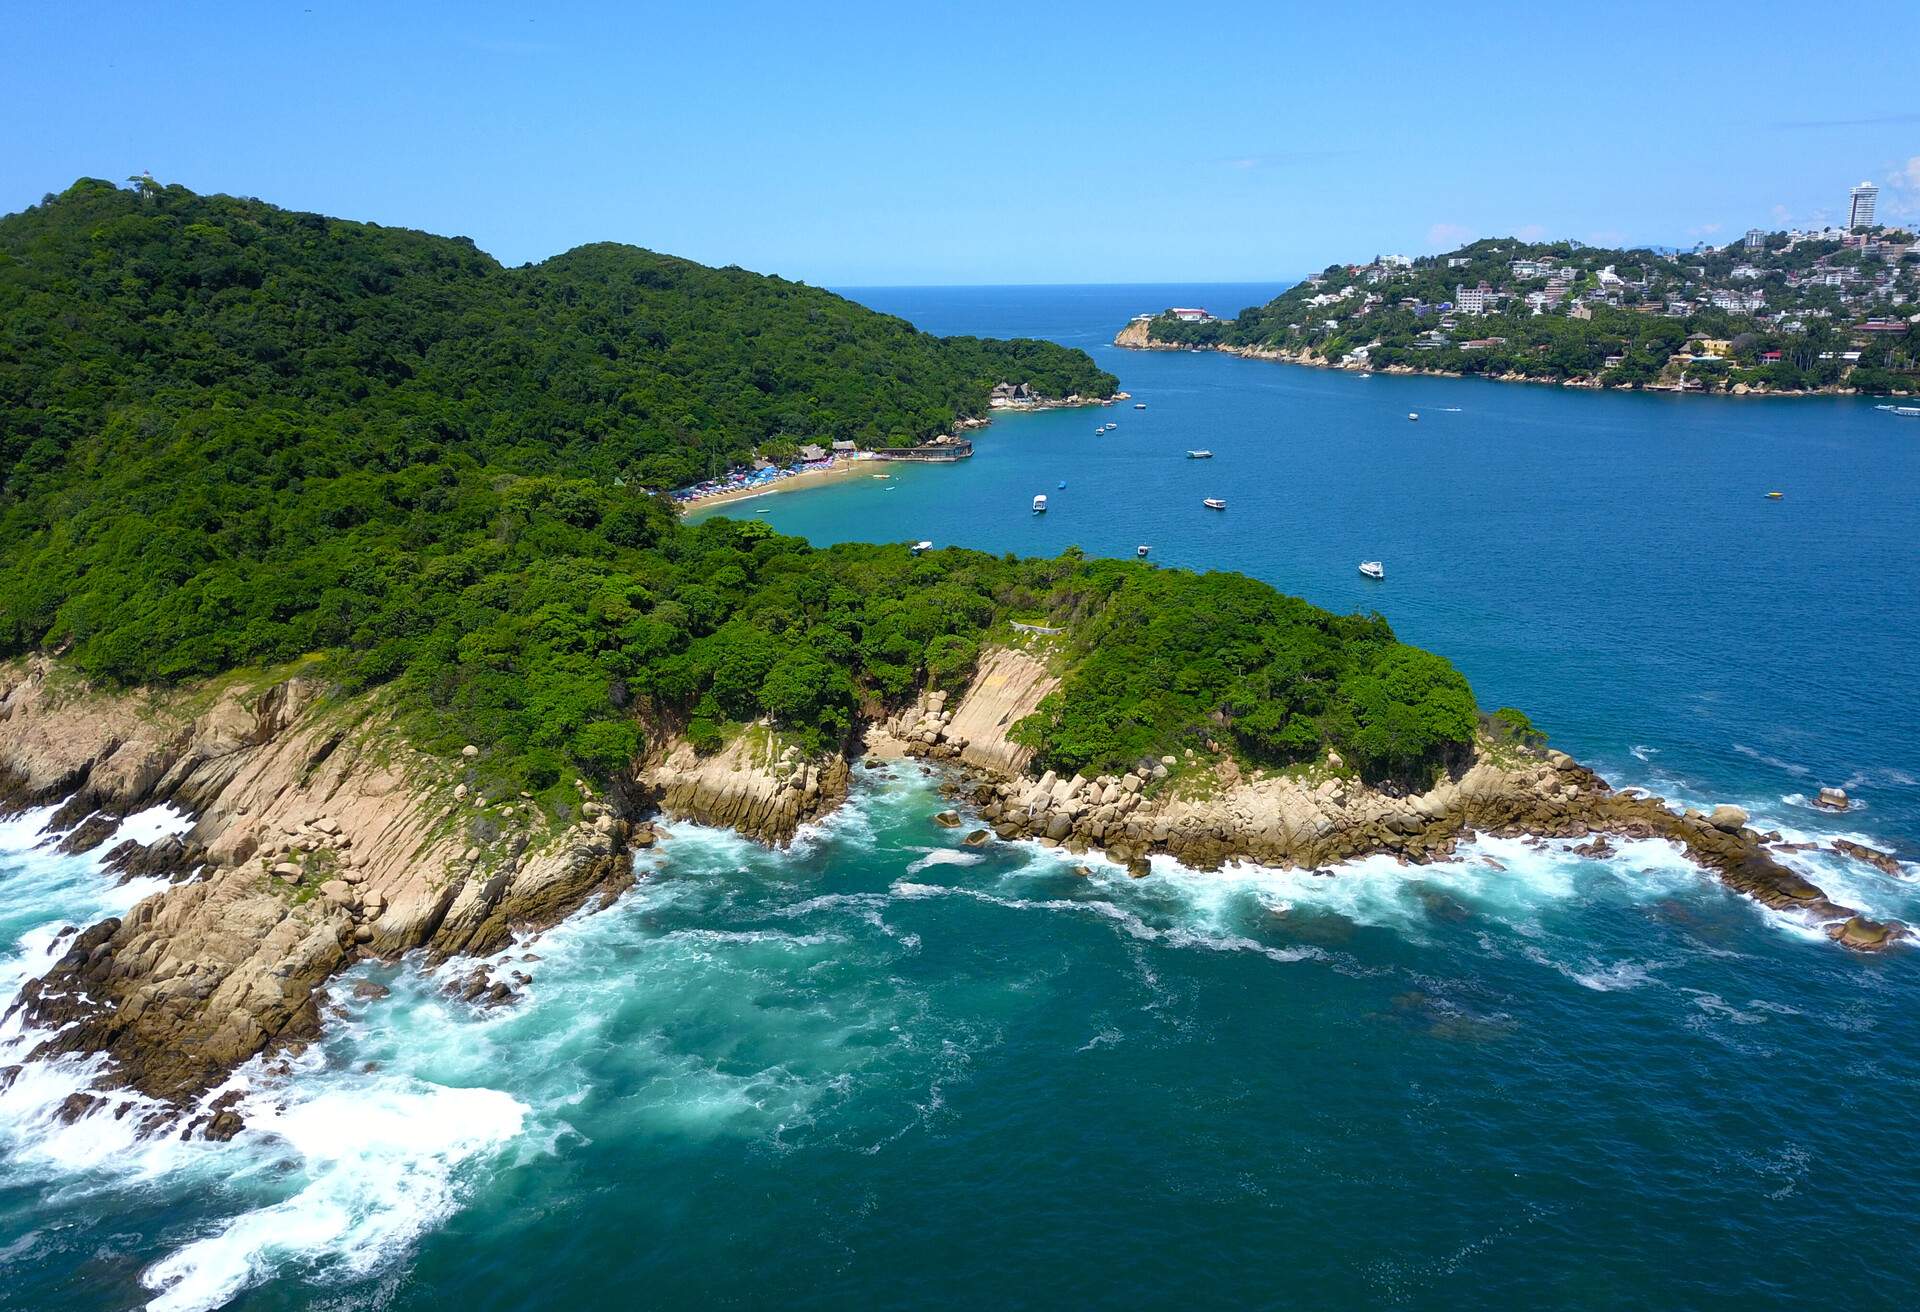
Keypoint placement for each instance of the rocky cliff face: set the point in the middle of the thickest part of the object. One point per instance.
(752, 785)
(318, 837)
(1007, 687)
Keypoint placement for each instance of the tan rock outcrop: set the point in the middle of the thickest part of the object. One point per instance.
(1007, 686)
(752, 785)
(318, 835)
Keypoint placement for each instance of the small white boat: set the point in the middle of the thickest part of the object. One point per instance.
(1202, 454)
(1140, 551)
(923, 545)
(1040, 504)
(1111, 427)
(1214, 503)
(1413, 415)
(1373, 569)
(1139, 405)
(1906, 411)
(1099, 430)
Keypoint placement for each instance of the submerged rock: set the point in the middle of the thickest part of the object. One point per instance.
(1882, 861)
(1864, 935)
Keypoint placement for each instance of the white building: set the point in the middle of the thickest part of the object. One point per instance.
(1860, 205)
(1474, 300)
(1755, 239)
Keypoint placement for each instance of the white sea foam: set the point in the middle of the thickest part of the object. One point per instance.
(1127, 921)
(1612, 977)
(1754, 754)
(380, 1163)
(942, 856)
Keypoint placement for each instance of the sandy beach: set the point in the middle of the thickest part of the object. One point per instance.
(841, 468)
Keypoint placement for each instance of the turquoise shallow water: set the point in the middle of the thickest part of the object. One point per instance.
(885, 1070)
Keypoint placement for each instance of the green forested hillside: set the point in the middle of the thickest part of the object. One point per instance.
(235, 436)
(608, 359)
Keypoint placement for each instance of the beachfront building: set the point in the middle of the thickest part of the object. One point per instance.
(1189, 315)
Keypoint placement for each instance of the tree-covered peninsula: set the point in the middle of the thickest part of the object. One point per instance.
(236, 437)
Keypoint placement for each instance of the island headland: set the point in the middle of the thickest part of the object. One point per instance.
(420, 663)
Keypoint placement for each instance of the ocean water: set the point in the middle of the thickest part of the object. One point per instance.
(882, 1069)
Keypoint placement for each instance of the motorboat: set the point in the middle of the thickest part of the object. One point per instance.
(1373, 569)
(1775, 496)
(1214, 503)
(1140, 551)
(1139, 405)
(1040, 504)
(1202, 454)
(1413, 415)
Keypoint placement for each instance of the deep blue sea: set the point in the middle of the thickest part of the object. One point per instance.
(885, 1070)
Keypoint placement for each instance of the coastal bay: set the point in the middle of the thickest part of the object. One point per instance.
(1608, 561)
(1433, 1055)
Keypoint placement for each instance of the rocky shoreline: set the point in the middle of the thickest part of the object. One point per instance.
(1134, 337)
(1221, 816)
(318, 839)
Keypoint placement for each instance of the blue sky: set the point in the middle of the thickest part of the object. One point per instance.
(865, 144)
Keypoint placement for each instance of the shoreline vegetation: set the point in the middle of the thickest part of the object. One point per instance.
(1132, 338)
(1827, 313)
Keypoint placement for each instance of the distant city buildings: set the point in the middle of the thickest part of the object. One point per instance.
(1860, 206)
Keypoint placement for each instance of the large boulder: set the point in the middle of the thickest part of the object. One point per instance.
(1727, 819)
(1833, 799)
